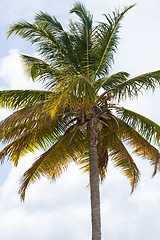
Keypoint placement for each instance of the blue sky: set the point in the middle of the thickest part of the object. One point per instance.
(61, 210)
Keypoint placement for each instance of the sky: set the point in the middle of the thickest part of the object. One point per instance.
(61, 209)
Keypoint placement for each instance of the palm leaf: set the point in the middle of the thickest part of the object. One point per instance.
(30, 136)
(54, 161)
(110, 82)
(25, 117)
(132, 87)
(141, 147)
(85, 16)
(40, 70)
(146, 127)
(122, 159)
(85, 30)
(31, 128)
(52, 41)
(21, 98)
(76, 92)
(107, 40)
(53, 27)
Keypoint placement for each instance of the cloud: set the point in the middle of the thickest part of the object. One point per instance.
(62, 208)
(45, 206)
(12, 72)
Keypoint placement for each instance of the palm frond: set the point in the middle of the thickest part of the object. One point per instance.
(85, 16)
(25, 117)
(49, 22)
(110, 82)
(133, 87)
(53, 42)
(16, 99)
(141, 147)
(84, 33)
(107, 40)
(123, 160)
(54, 161)
(63, 41)
(31, 128)
(40, 70)
(34, 33)
(29, 136)
(146, 127)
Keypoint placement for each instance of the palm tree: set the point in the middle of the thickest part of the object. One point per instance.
(77, 118)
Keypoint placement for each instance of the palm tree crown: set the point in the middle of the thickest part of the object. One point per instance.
(74, 68)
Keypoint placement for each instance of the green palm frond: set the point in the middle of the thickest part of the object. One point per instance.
(54, 27)
(141, 147)
(145, 127)
(132, 87)
(21, 98)
(52, 41)
(62, 44)
(107, 41)
(84, 33)
(49, 22)
(54, 161)
(25, 30)
(110, 82)
(85, 16)
(40, 70)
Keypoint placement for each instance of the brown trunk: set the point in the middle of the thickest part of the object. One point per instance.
(94, 181)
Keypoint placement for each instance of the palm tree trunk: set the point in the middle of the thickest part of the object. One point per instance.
(94, 181)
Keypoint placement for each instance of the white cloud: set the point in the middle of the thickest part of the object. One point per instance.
(45, 206)
(13, 74)
(62, 208)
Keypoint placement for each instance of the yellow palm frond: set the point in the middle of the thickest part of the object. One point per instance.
(122, 159)
(16, 99)
(54, 161)
(146, 127)
(140, 146)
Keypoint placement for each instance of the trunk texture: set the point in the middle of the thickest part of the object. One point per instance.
(94, 181)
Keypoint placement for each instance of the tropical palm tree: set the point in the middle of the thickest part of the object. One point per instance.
(77, 118)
